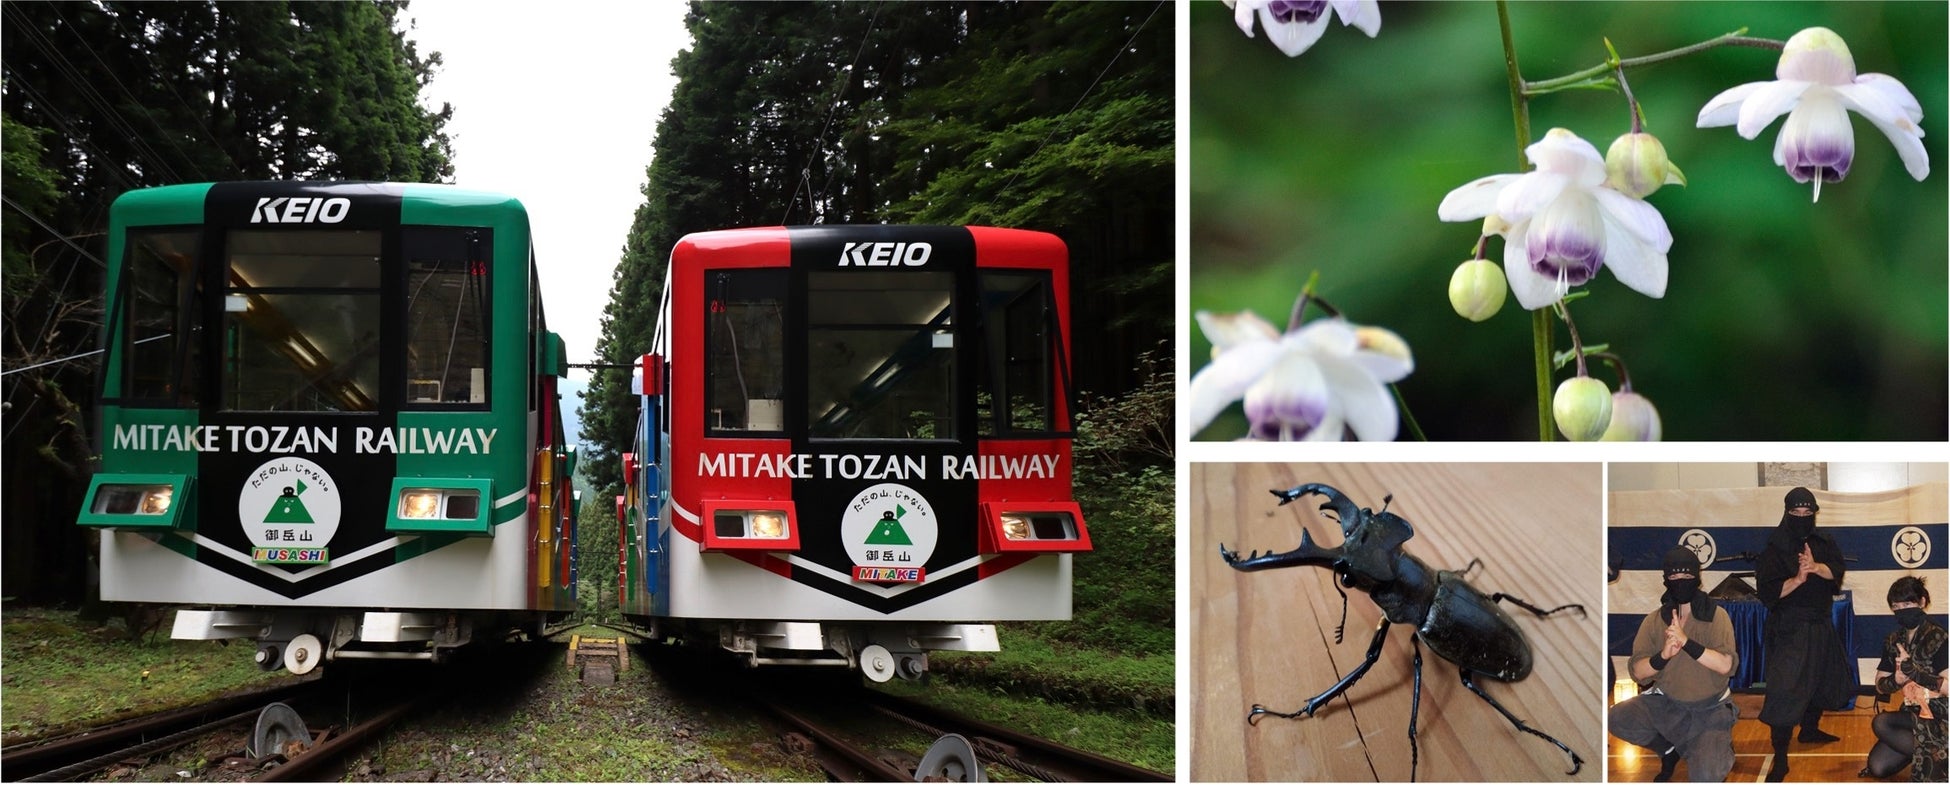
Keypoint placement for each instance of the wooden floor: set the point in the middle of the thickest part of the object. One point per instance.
(1836, 761)
(1268, 637)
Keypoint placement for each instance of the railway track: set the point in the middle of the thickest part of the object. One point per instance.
(976, 747)
(261, 735)
(79, 754)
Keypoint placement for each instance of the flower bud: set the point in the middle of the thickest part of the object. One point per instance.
(1636, 165)
(1632, 419)
(1582, 408)
(1476, 289)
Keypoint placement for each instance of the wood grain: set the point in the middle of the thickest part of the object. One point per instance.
(1268, 637)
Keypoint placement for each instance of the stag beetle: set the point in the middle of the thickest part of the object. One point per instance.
(1459, 623)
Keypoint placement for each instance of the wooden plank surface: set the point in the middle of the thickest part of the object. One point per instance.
(1836, 761)
(1268, 637)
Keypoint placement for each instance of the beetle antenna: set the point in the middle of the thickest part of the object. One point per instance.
(1387, 500)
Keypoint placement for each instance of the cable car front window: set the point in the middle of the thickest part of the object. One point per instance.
(301, 320)
(162, 309)
(446, 316)
(1017, 387)
(880, 355)
(744, 348)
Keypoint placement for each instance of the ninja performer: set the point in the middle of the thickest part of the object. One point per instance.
(1685, 651)
(1913, 662)
(1799, 573)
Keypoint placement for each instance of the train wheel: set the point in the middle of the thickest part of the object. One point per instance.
(303, 653)
(951, 759)
(878, 663)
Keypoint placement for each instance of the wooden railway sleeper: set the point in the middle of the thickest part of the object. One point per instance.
(985, 748)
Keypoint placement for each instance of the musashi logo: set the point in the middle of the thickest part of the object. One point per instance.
(300, 210)
(885, 254)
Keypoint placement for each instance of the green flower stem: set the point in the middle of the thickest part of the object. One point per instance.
(1408, 417)
(1577, 346)
(1540, 320)
(1735, 38)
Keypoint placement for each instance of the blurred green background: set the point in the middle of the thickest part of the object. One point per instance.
(1782, 320)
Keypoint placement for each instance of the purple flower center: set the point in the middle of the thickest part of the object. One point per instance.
(1290, 11)
(1573, 257)
(1826, 159)
(1284, 417)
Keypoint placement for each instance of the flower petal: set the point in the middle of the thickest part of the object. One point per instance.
(1369, 409)
(1228, 330)
(1816, 55)
(1568, 154)
(1724, 109)
(1226, 379)
(1365, 15)
(1772, 100)
(1636, 216)
(1294, 37)
(1475, 199)
(1895, 93)
(1332, 336)
(1291, 393)
(1533, 290)
(1636, 263)
(1816, 140)
(1893, 119)
(1530, 193)
(1242, 14)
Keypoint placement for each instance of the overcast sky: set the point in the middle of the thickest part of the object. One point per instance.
(556, 105)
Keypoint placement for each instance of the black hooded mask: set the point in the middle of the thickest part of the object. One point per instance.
(1681, 571)
(1799, 527)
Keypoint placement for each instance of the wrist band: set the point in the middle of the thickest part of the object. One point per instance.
(1694, 648)
(1659, 663)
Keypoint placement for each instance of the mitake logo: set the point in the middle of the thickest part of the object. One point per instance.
(885, 254)
(300, 210)
(1911, 547)
(889, 530)
(1702, 545)
(289, 509)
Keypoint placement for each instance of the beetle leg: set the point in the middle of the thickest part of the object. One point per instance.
(1342, 627)
(1414, 710)
(1473, 564)
(1540, 612)
(1577, 763)
(1314, 703)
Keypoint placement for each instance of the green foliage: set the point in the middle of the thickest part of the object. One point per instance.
(30, 184)
(1783, 320)
(1143, 738)
(596, 549)
(63, 673)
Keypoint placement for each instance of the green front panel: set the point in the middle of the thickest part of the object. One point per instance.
(498, 437)
(176, 205)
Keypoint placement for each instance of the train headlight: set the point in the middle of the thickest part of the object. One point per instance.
(1044, 527)
(430, 504)
(419, 503)
(770, 525)
(141, 501)
(734, 525)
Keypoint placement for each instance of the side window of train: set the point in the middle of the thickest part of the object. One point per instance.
(163, 317)
(301, 320)
(447, 346)
(1017, 384)
(880, 355)
(744, 351)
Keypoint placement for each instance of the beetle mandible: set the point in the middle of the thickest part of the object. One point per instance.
(1458, 622)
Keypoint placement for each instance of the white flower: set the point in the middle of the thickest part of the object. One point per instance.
(1294, 25)
(1817, 86)
(1313, 383)
(1561, 223)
